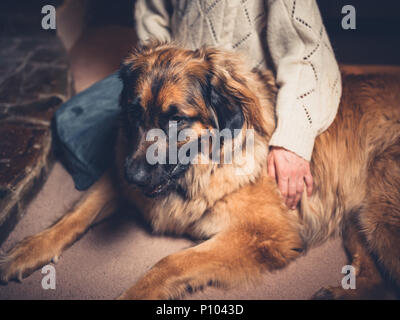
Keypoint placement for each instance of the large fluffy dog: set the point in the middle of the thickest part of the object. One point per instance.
(245, 224)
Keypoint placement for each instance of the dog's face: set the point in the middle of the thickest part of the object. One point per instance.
(166, 88)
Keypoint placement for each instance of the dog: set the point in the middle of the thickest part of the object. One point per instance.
(241, 218)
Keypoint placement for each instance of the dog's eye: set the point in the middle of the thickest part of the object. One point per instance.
(180, 119)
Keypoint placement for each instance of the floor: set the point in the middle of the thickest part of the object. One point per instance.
(34, 82)
(111, 256)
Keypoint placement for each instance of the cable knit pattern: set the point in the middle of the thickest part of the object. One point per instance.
(287, 35)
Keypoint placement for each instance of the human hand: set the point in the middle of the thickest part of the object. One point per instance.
(290, 171)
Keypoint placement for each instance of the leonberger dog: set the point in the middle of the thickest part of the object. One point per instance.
(242, 219)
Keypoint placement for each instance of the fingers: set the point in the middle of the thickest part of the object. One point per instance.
(296, 188)
(299, 192)
(271, 167)
(309, 183)
(292, 193)
(290, 171)
(283, 184)
(280, 180)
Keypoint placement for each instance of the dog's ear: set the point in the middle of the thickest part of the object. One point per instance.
(228, 93)
(225, 105)
(124, 71)
(227, 108)
(127, 73)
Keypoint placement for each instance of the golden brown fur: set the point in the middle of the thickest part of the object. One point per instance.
(246, 226)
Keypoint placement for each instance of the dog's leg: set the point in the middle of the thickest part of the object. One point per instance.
(37, 250)
(368, 280)
(380, 220)
(222, 261)
(261, 237)
(372, 241)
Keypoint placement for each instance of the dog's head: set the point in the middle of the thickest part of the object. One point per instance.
(168, 90)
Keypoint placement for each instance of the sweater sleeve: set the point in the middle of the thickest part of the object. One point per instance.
(307, 74)
(152, 19)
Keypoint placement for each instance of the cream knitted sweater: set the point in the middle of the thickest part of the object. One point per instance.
(288, 33)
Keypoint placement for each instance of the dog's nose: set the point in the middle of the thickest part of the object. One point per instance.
(136, 172)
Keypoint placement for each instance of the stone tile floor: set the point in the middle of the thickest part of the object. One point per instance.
(36, 76)
(34, 81)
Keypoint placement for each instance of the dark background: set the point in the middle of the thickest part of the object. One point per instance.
(375, 41)
(377, 37)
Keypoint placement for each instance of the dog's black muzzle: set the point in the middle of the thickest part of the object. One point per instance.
(153, 180)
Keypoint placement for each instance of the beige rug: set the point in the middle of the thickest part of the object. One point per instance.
(112, 255)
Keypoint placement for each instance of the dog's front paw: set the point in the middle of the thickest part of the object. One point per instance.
(27, 256)
(137, 293)
(323, 294)
(334, 293)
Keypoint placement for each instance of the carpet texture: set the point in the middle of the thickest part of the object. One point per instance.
(112, 255)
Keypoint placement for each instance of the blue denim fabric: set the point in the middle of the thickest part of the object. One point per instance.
(84, 131)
